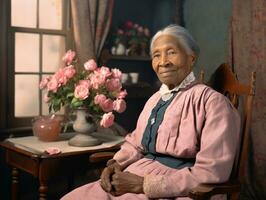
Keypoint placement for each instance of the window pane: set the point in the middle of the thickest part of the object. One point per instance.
(26, 95)
(23, 13)
(51, 14)
(26, 52)
(45, 107)
(53, 51)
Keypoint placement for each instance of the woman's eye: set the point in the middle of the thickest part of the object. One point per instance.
(156, 56)
(171, 52)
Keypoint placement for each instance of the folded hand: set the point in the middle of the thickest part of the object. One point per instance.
(125, 182)
(107, 175)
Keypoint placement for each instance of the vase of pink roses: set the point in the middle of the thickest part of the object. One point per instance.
(94, 93)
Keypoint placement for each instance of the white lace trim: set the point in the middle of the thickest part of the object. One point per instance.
(167, 94)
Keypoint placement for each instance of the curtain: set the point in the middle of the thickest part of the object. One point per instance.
(91, 23)
(3, 63)
(248, 53)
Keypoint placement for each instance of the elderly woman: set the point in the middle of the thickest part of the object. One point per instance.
(186, 134)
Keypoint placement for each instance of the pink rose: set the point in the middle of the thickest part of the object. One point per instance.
(129, 24)
(147, 32)
(119, 105)
(69, 57)
(44, 82)
(60, 77)
(113, 84)
(136, 26)
(99, 99)
(85, 83)
(90, 65)
(107, 105)
(122, 94)
(52, 150)
(104, 71)
(69, 71)
(81, 92)
(140, 29)
(107, 120)
(52, 85)
(120, 32)
(117, 73)
(97, 80)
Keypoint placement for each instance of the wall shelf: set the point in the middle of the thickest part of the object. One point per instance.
(107, 56)
(130, 58)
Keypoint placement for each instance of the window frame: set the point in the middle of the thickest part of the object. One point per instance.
(12, 121)
(3, 63)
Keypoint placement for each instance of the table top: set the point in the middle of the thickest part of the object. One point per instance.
(30, 145)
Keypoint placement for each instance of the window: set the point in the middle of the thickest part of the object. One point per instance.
(38, 36)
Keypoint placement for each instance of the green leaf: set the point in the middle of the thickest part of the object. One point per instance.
(66, 126)
(70, 94)
(50, 108)
(56, 107)
(77, 104)
(74, 100)
(57, 102)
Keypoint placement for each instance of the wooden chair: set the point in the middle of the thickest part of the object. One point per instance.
(241, 96)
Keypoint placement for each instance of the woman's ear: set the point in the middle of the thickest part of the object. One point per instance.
(192, 59)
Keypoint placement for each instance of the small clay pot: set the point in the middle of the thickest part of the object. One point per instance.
(47, 128)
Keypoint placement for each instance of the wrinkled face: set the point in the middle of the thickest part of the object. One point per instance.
(170, 61)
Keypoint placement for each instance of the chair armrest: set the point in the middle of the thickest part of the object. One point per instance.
(205, 191)
(101, 157)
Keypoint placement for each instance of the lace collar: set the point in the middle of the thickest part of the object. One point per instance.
(166, 93)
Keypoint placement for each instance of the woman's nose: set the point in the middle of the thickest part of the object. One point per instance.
(164, 60)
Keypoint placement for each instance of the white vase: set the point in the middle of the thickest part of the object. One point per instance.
(120, 49)
(84, 126)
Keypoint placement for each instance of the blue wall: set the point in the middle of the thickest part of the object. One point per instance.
(209, 21)
(154, 14)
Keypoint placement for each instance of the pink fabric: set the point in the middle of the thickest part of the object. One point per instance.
(248, 53)
(199, 123)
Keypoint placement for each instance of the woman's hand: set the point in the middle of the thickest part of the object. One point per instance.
(112, 167)
(125, 182)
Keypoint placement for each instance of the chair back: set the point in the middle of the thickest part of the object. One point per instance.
(241, 96)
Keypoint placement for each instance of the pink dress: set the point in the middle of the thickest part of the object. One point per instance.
(199, 123)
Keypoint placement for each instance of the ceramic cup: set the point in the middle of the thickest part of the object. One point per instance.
(134, 77)
(125, 77)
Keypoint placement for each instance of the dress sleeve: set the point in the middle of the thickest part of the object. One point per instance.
(131, 150)
(214, 161)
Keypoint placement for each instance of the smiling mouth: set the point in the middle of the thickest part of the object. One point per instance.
(167, 73)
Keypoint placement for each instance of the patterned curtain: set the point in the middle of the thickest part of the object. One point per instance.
(248, 53)
(91, 23)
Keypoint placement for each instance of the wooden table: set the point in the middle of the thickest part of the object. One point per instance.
(44, 166)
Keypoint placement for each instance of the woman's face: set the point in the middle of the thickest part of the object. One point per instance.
(170, 61)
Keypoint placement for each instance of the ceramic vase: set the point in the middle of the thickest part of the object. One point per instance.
(47, 128)
(120, 49)
(84, 126)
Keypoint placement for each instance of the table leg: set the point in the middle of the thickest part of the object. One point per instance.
(15, 179)
(70, 182)
(43, 190)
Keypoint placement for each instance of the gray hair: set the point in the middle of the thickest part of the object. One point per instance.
(183, 37)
